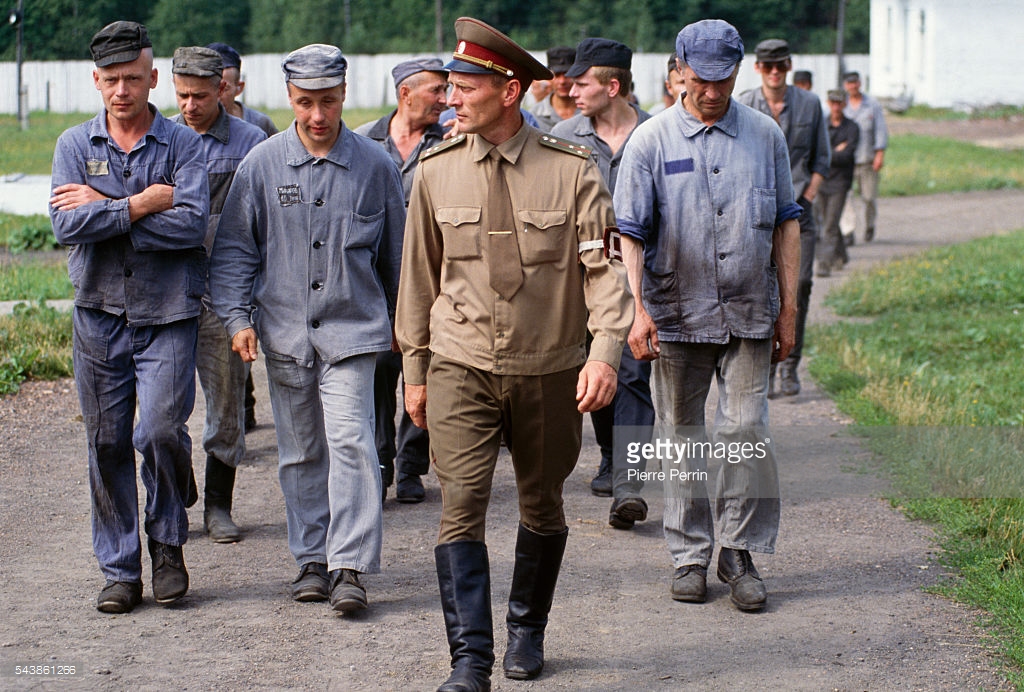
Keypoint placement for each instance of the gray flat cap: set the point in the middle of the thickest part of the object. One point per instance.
(403, 70)
(118, 42)
(316, 66)
(197, 61)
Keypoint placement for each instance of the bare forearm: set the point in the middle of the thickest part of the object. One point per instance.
(786, 254)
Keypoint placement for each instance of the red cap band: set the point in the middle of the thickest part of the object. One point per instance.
(478, 55)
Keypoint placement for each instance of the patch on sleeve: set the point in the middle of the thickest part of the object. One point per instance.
(679, 166)
(96, 167)
(612, 243)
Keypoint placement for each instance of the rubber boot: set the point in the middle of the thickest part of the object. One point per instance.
(220, 485)
(538, 560)
(464, 578)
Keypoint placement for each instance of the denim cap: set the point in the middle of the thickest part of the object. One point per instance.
(711, 47)
(316, 66)
(837, 95)
(772, 50)
(118, 42)
(197, 61)
(851, 77)
(560, 58)
(600, 52)
(403, 70)
(801, 76)
(228, 55)
(482, 49)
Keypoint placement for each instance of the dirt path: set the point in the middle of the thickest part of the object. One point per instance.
(847, 610)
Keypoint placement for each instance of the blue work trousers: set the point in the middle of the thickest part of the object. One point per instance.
(119, 368)
(747, 498)
(222, 374)
(327, 462)
(632, 407)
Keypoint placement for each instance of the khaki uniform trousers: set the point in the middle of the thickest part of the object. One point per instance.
(469, 412)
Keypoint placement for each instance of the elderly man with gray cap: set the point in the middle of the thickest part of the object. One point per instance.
(306, 261)
(421, 86)
(711, 246)
(131, 200)
(798, 113)
(505, 268)
(226, 140)
(601, 82)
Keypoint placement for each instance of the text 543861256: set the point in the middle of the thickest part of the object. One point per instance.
(42, 670)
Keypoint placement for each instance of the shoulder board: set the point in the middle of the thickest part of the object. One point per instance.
(443, 146)
(565, 145)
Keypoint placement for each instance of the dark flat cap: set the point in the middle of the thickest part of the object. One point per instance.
(403, 70)
(838, 95)
(600, 52)
(316, 66)
(802, 76)
(228, 55)
(772, 50)
(197, 61)
(118, 42)
(482, 49)
(560, 58)
(851, 77)
(711, 48)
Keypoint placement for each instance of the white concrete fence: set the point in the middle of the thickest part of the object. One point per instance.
(67, 87)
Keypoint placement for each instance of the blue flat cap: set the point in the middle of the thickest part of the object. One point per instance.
(316, 66)
(600, 52)
(403, 70)
(118, 42)
(228, 54)
(711, 47)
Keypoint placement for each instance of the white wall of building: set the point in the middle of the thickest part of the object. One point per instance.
(67, 87)
(948, 53)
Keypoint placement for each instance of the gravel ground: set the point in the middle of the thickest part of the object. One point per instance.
(847, 606)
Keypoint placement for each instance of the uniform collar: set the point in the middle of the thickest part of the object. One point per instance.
(221, 128)
(340, 153)
(510, 149)
(157, 129)
(691, 126)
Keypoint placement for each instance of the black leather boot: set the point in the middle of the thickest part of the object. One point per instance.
(464, 578)
(220, 486)
(538, 559)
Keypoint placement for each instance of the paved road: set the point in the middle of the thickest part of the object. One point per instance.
(847, 607)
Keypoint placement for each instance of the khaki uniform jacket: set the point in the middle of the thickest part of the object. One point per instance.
(445, 302)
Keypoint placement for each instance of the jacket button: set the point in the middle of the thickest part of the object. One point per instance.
(715, 171)
(720, 212)
(316, 324)
(319, 203)
(722, 256)
(317, 244)
(316, 285)
(128, 273)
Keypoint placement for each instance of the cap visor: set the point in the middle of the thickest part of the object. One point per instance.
(467, 67)
(113, 58)
(314, 83)
(576, 70)
(713, 72)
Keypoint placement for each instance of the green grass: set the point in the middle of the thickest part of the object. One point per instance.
(33, 278)
(922, 165)
(939, 342)
(11, 226)
(35, 342)
(928, 113)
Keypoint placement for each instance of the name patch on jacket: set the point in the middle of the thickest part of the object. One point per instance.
(288, 195)
(679, 166)
(96, 167)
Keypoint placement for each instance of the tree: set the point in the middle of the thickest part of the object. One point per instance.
(177, 23)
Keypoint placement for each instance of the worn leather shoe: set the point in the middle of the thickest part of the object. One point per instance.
(409, 489)
(627, 511)
(119, 597)
(601, 485)
(312, 583)
(347, 594)
(170, 578)
(220, 527)
(736, 568)
(789, 383)
(690, 584)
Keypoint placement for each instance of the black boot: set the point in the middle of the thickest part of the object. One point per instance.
(464, 578)
(538, 559)
(220, 485)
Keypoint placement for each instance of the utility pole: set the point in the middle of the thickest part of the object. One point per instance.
(438, 26)
(840, 32)
(14, 19)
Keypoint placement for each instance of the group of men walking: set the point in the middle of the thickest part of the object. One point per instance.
(525, 277)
